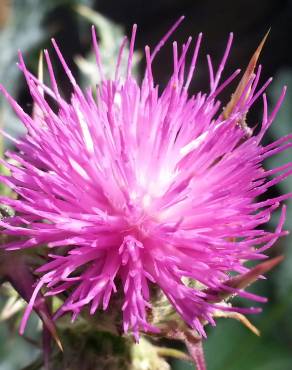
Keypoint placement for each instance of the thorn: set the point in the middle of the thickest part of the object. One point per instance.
(173, 353)
(245, 79)
(240, 317)
(242, 281)
(41, 67)
(36, 111)
(50, 327)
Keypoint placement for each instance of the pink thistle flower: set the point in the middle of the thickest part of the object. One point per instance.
(142, 188)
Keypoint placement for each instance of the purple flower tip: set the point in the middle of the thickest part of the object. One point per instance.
(140, 187)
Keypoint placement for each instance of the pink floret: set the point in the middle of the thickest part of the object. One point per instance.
(132, 187)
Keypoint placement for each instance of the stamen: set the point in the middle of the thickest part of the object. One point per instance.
(166, 37)
(120, 57)
(65, 66)
(131, 51)
(97, 53)
(211, 73)
(52, 75)
(223, 61)
(175, 62)
(194, 61)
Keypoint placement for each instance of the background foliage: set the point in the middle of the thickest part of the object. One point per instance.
(29, 24)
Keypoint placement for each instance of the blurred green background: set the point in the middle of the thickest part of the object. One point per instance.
(29, 24)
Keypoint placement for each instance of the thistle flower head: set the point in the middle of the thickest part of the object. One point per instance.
(131, 188)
